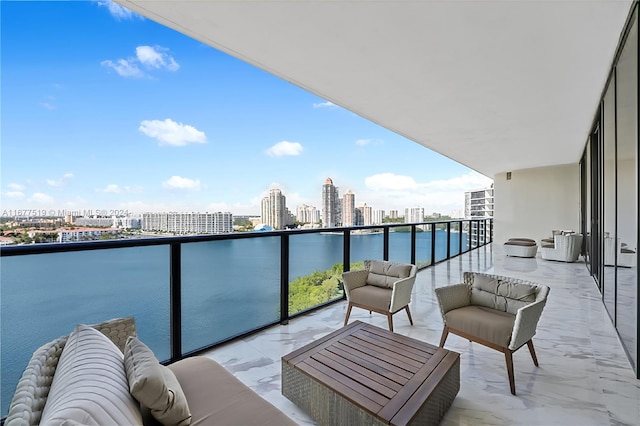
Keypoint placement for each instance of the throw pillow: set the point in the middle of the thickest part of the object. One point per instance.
(90, 384)
(154, 385)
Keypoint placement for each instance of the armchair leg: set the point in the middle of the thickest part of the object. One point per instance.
(346, 319)
(532, 351)
(390, 319)
(409, 314)
(509, 358)
(445, 333)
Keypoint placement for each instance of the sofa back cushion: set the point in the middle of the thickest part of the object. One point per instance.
(154, 385)
(90, 384)
(501, 294)
(384, 274)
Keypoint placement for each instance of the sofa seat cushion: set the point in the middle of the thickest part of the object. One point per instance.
(485, 323)
(373, 296)
(384, 274)
(216, 397)
(521, 242)
(90, 384)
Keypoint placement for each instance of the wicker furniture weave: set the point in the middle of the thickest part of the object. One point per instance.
(499, 312)
(364, 375)
(34, 385)
(566, 248)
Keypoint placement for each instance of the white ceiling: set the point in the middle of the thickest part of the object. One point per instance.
(494, 85)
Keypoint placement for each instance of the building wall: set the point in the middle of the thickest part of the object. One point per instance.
(536, 201)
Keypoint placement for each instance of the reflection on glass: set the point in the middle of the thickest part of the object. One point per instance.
(315, 270)
(607, 281)
(627, 166)
(229, 287)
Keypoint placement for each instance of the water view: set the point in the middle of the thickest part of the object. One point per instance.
(229, 287)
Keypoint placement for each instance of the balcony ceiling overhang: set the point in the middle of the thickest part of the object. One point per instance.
(494, 85)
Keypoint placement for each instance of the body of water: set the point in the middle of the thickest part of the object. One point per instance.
(229, 287)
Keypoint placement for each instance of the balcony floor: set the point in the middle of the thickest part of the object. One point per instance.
(584, 377)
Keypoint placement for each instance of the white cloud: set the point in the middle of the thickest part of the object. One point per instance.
(178, 182)
(365, 142)
(284, 148)
(16, 187)
(169, 132)
(124, 67)
(48, 106)
(151, 58)
(60, 182)
(41, 198)
(218, 207)
(117, 11)
(156, 57)
(392, 191)
(112, 188)
(14, 194)
(390, 182)
(326, 104)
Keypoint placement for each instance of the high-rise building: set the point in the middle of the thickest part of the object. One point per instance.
(349, 209)
(478, 203)
(414, 215)
(188, 223)
(393, 214)
(307, 214)
(330, 204)
(377, 218)
(365, 215)
(274, 210)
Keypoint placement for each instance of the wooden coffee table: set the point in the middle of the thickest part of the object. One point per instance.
(362, 374)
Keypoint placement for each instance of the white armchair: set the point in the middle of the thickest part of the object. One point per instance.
(382, 286)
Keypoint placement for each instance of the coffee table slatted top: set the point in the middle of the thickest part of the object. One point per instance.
(387, 374)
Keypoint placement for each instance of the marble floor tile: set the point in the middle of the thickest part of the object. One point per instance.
(584, 377)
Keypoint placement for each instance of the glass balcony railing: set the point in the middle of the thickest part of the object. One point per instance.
(189, 294)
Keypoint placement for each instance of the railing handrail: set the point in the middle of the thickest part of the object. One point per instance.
(42, 248)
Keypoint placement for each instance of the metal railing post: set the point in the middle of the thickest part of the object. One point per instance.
(284, 279)
(448, 240)
(433, 243)
(175, 311)
(346, 251)
(413, 244)
(385, 243)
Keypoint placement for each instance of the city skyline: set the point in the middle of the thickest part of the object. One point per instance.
(105, 110)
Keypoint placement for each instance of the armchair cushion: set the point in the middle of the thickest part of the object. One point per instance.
(502, 295)
(384, 274)
(496, 326)
(373, 296)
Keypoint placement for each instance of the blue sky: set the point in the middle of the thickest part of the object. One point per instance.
(102, 109)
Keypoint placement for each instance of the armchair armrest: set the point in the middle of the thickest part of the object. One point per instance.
(354, 279)
(453, 297)
(524, 327)
(401, 294)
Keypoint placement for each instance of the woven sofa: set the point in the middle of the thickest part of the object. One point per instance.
(566, 248)
(102, 374)
(499, 312)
